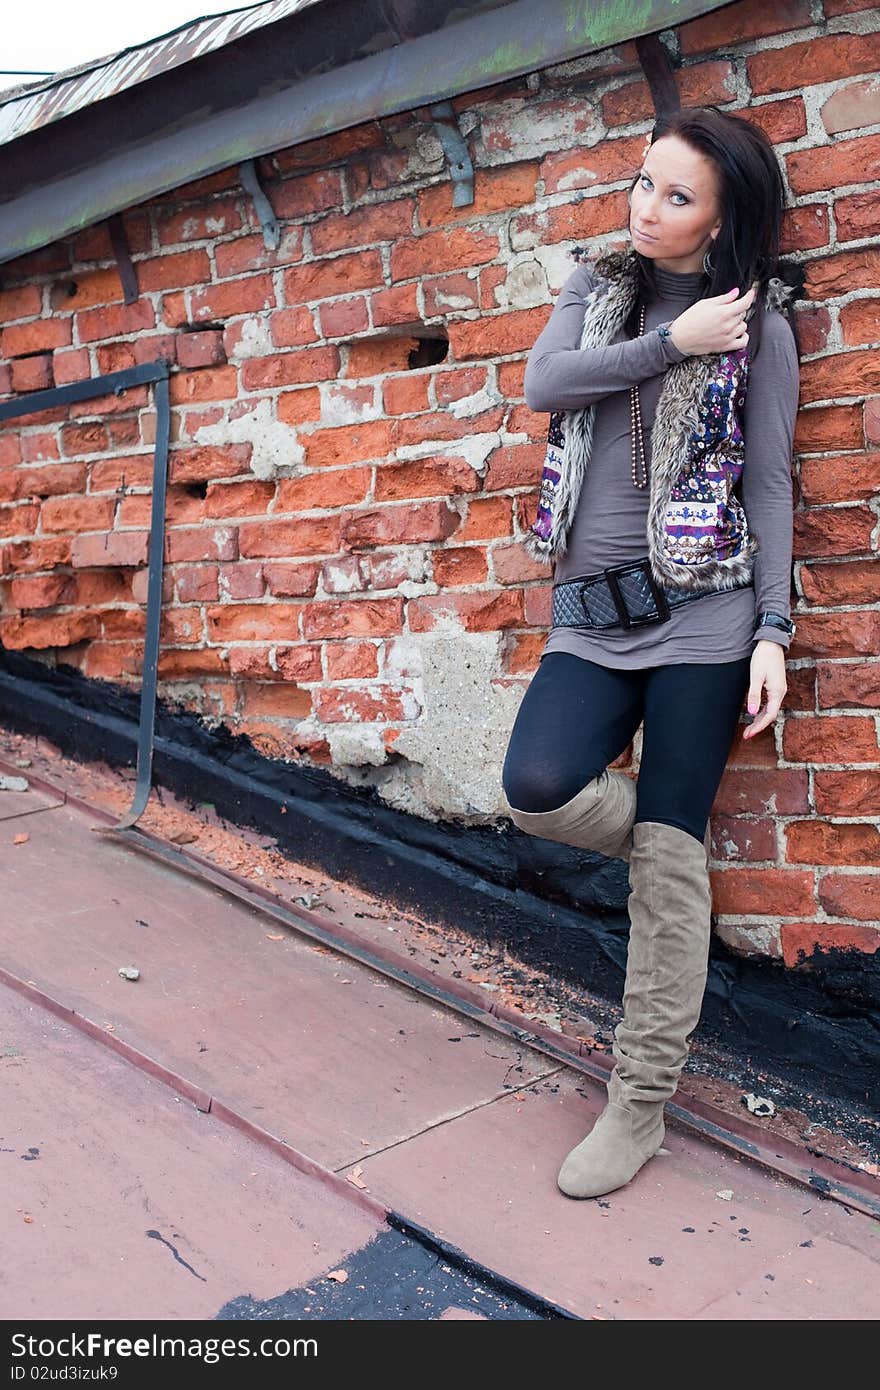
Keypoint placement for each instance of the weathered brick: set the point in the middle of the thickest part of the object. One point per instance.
(846, 793)
(497, 335)
(860, 321)
(291, 580)
(699, 84)
(583, 218)
(188, 543)
(379, 704)
(803, 941)
(396, 307)
(77, 514)
(299, 407)
(343, 317)
(827, 842)
(828, 427)
(250, 253)
(312, 193)
(857, 215)
(293, 327)
(840, 374)
(291, 369)
(250, 498)
(198, 584)
(756, 791)
(836, 634)
(487, 519)
(842, 530)
(43, 631)
(840, 478)
(436, 252)
(252, 294)
(830, 276)
(51, 480)
(850, 895)
(114, 321)
(738, 840)
(345, 444)
(762, 892)
(462, 565)
(390, 525)
(857, 581)
(214, 219)
(481, 612)
(433, 477)
(780, 120)
(830, 738)
(42, 591)
(41, 553)
(317, 536)
(18, 520)
(512, 564)
(242, 579)
(495, 190)
(514, 465)
(337, 487)
(201, 349)
(206, 462)
(278, 701)
(851, 683)
(374, 617)
(339, 275)
(209, 384)
(750, 19)
(452, 294)
(363, 226)
(405, 395)
(352, 661)
(32, 373)
(253, 622)
(818, 60)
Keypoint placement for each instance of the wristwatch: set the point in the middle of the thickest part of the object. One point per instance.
(768, 619)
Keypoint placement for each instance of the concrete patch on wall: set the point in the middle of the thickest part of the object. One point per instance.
(275, 445)
(447, 764)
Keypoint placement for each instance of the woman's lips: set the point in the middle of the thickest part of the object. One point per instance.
(644, 235)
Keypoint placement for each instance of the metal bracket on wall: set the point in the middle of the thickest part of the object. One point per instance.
(82, 391)
(461, 170)
(250, 182)
(657, 68)
(122, 252)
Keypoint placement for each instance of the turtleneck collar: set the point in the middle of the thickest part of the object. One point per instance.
(674, 284)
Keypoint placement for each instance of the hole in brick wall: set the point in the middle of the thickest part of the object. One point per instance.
(194, 489)
(216, 326)
(428, 352)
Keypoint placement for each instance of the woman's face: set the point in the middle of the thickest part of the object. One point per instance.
(674, 207)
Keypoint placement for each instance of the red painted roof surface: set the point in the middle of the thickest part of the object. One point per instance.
(442, 1120)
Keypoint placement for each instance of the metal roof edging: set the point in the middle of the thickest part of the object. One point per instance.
(486, 48)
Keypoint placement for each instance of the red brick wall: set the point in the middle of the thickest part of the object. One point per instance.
(329, 505)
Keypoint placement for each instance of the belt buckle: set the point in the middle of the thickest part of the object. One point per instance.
(657, 594)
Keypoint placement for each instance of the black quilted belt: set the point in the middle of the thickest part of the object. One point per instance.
(621, 596)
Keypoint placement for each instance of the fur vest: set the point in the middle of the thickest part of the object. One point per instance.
(698, 533)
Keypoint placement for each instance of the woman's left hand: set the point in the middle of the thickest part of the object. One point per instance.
(767, 672)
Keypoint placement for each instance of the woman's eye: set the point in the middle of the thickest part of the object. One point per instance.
(684, 200)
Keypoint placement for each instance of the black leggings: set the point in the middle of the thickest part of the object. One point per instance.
(576, 717)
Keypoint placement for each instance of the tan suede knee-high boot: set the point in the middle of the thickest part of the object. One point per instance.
(600, 817)
(670, 921)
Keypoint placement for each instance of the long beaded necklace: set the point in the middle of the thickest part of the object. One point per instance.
(640, 472)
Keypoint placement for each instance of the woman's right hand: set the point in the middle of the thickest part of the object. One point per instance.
(716, 324)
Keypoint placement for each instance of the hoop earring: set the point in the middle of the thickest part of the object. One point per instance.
(707, 264)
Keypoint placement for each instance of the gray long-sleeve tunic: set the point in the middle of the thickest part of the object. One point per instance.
(610, 523)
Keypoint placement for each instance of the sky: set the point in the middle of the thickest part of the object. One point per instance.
(50, 35)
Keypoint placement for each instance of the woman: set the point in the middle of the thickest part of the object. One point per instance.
(671, 371)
